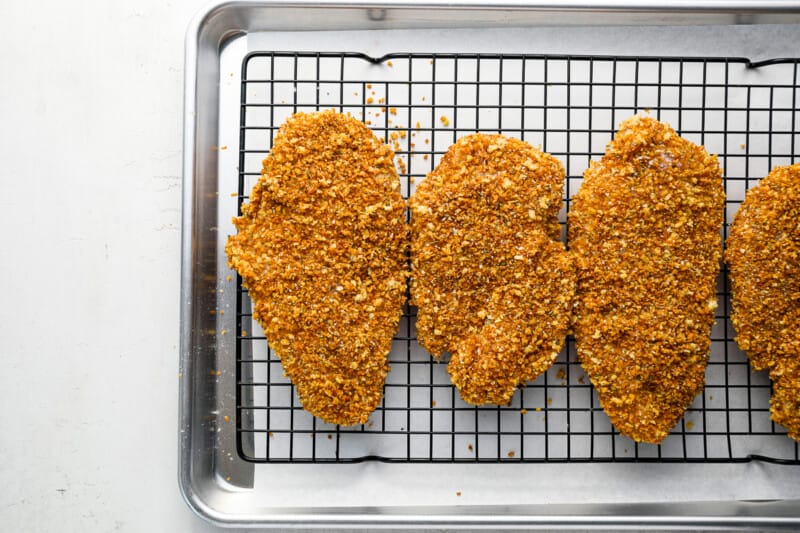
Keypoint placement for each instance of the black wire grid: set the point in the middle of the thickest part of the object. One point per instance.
(570, 105)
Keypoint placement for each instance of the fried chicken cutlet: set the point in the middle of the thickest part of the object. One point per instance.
(763, 255)
(645, 231)
(492, 283)
(321, 248)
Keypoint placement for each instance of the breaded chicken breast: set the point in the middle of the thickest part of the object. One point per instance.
(321, 248)
(492, 284)
(763, 255)
(645, 231)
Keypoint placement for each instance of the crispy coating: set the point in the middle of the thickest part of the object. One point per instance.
(763, 255)
(321, 248)
(645, 231)
(491, 285)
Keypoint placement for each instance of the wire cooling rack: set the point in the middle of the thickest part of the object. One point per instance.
(570, 105)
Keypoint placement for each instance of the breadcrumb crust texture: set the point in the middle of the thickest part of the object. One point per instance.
(763, 255)
(492, 283)
(645, 230)
(321, 248)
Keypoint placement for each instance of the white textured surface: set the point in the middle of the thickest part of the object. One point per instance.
(90, 145)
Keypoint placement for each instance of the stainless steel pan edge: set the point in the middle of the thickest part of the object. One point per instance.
(207, 35)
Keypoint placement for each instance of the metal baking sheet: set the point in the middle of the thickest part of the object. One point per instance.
(240, 482)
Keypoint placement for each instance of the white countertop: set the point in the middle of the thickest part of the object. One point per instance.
(90, 140)
(90, 144)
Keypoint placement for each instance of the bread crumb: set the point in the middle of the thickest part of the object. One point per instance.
(444, 120)
(523, 411)
(226, 418)
(511, 454)
(389, 64)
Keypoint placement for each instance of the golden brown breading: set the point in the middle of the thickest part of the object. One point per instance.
(526, 320)
(321, 248)
(764, 259)
(785, 401)
(645, 231)
(491, 285)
